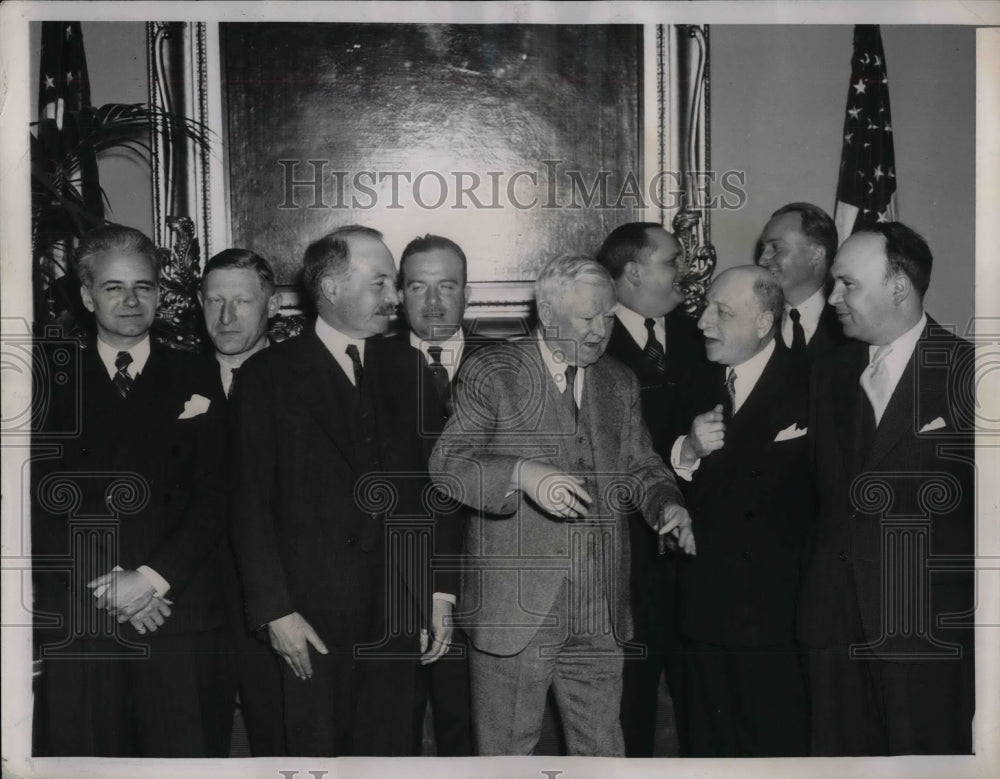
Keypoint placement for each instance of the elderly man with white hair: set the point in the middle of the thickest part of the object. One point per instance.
(548, 446)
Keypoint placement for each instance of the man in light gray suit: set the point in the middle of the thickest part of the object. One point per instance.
(548, 445)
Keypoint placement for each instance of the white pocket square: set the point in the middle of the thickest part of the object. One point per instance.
(790, 432)
(197, 404)
(934, 424)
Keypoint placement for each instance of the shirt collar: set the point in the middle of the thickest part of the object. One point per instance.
(139, 354)
(810, 310)
(902, 349)
(748, 373)
(336, 343)
(635, 324)
(451, 349)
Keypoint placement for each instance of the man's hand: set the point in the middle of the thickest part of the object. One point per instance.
(554, 491)
(290, 637)
(124, 594)
(708, 433)
(674, 527)
(441, 630)
(151, 617)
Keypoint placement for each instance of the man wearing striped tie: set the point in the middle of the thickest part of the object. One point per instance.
(660, 343)
(131, 565)
(238, 298)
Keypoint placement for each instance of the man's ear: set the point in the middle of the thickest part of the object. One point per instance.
(765, 321)
(467, 293)
(633, 272)
(273, 304)
(901, 286)
(545, 313)
(330, 288)
(88, 299)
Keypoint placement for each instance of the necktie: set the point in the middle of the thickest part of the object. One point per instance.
(232, 381)
(438, 371)
(731, 390)
(121, 380)
(875, 382)
(653, 350)
(570, 392)
(359, 371)
(798, 334)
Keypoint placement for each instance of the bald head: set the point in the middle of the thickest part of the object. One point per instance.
(744, 309)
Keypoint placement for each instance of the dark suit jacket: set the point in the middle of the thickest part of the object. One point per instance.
(906, 471)
(828, 336)
(751, 503)
(507, 408)
(137, 458)
(685, 360)
(310, 518)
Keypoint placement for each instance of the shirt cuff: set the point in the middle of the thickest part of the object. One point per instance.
(682, 471)
(160, 584)
(446, 596)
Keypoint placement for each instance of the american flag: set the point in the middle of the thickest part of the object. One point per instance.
(65, 115)
(866, 189)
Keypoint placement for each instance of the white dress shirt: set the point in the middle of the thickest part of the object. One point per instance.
(336, 343)
(810, 310)
(747, 375)
(451, 350)
(139, 354)
(635, 324)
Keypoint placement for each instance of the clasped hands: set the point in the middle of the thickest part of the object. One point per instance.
(562, 495)
(130, 597)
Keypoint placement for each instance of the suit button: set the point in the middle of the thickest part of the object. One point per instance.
(842, 557)
(745, 555)
(854, 514)
(352, 539)
(84, 451)
(754, 474)
(748, 515)
(374, 515)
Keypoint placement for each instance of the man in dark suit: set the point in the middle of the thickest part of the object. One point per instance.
(888, 591)
(128, 532)
(332, 431)
(744, 467)
(547, 445)
(434, 290)
(797, 246)
(238, 298)
(661, 344)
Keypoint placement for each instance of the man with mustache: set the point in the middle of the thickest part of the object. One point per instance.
(434, 290)
(888, 589)
(332, 430)
(548, 446)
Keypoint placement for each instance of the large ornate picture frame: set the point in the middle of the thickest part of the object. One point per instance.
(650, 160)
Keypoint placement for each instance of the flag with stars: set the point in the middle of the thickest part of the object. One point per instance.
(65, 114)
(866, 189)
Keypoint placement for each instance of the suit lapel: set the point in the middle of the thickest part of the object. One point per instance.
(604, 419)
(330, 397)
(753, 417)
(849, 403)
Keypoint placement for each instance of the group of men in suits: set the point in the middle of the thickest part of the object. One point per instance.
(622, 494)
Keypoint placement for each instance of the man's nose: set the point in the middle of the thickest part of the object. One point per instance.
(391, 296)
(433, 295)
(836, 294)
(227, 313)
(131, 298)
